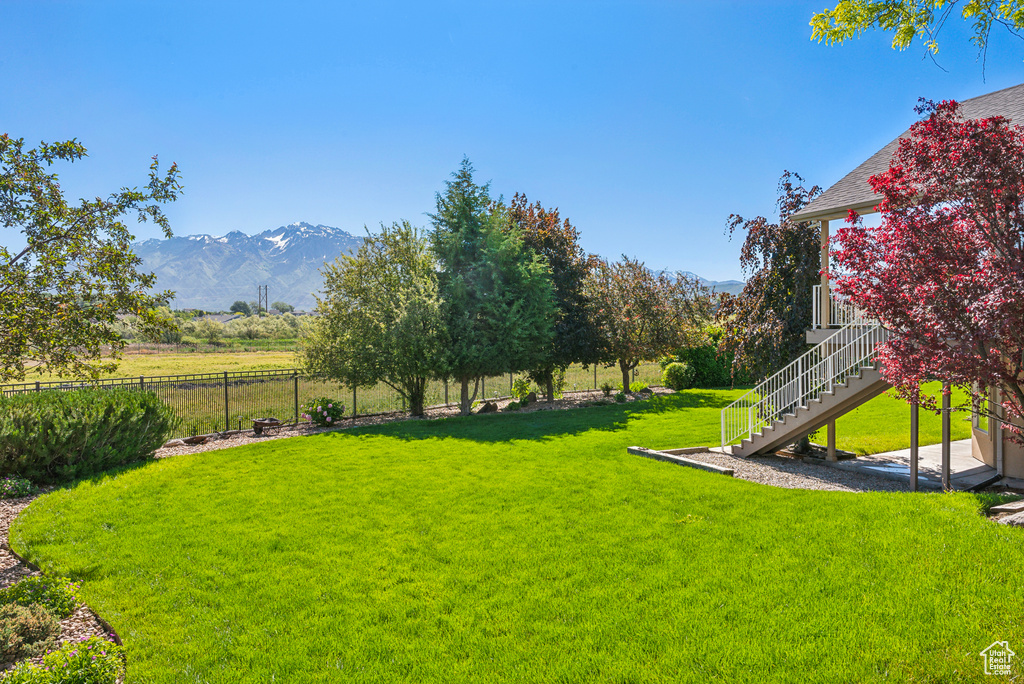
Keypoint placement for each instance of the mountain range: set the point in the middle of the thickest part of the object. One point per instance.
(211, 273)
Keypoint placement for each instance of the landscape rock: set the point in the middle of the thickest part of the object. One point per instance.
(531, 397)
(1017, 520)
(173, 443)
(198, 439)
(488, 407)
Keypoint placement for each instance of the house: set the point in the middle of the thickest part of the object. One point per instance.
(840, 372)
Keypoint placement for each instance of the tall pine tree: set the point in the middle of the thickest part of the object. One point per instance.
(498, 303)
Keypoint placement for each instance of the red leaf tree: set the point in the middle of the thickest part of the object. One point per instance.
(944, 272)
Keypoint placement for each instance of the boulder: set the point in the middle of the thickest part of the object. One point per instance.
(531, 398)
(173, 443)
(198, 439)
(488, 407)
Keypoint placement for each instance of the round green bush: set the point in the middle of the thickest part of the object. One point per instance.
(58, 595)
(678, 376)
(26, 631)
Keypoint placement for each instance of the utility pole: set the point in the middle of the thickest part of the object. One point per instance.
(262, 299)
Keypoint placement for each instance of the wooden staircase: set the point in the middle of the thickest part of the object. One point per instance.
(831, 379)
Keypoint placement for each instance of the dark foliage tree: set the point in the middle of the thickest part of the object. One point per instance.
(72, 271)
(241, 307)
(576, 338)
(766, 324)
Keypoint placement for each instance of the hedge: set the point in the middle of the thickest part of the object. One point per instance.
(57, 436)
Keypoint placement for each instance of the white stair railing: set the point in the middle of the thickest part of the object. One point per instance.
(818, 371)
(840, 312)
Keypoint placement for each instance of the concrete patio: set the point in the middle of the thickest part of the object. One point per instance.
(966, 471)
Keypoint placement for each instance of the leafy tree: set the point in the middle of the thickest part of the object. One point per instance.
(766, 324)
(241, 307)
(643, 315)
(497, 297)
(381, 317)
(74, 272)
(283, 307)
(575, 338)
(944, 272)
(910, 19)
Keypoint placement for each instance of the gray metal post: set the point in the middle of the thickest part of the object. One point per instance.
(353, 403)
(913, 444)
(595, 376)
(142, 382)
(946, 479)
(445, 392)
(510, 382)
(38, 388)
(227, 413)
(296, 379)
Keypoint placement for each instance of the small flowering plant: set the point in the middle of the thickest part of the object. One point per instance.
(15, 487)
(90, 661)
(58, 595)
(323, 412)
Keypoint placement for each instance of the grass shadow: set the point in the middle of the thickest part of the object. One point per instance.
(544, 424)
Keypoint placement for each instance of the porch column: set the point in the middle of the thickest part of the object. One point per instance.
(946, 479)
(831, 455)
(823, 305)
(913, 442)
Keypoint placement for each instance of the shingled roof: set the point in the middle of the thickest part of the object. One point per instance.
(853, 190)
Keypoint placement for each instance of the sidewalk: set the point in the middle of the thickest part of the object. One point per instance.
(895, 465)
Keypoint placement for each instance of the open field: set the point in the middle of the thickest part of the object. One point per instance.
(168, 363)
(524, 548)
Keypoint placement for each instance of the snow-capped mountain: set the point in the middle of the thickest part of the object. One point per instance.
(212, 272)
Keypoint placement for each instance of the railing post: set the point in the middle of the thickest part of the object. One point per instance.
(227, 412)
(142, 383)
(722, 421)
(296, 380)
(38, 388)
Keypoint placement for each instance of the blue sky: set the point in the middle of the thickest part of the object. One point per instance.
(646, 123)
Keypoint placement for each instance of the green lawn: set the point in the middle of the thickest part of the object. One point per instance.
(524, 548)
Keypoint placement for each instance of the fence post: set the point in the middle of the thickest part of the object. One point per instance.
(510, 383)
(38, 388)
(595, 376)
(142, 382)
(353, 402)
(483, 389)
(296, 379)
(445, 393)
(227, 413)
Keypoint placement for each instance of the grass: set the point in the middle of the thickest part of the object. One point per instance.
(168, 363)
(883, 424)
(524, 548)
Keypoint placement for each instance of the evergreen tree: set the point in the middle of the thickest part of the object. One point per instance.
(496, 294)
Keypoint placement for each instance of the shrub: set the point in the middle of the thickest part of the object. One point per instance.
(678, 376)
(15, 487)
(58, 595)
(634, 386)
(92, 661)
(323, 412)
(620, 397)
(26, 631)
(56, 436)
(513, 406)
(521, 389)
(607, 388)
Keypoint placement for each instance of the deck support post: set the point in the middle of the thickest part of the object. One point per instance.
(946, 479)
(831, 455)
(826, 297)
(913, 441)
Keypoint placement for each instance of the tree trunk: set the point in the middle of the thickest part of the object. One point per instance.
(625, 376)
(549, 379)
(417, 390)
(465, 400)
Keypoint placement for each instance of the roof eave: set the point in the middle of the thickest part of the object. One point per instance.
(834, 213)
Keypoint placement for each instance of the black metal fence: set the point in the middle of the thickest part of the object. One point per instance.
(212, 402)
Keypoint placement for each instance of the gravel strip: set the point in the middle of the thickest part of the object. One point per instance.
(791, 473)
(82, 623)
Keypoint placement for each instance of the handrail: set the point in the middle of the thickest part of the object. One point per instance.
(819, 370)
(840, 312)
